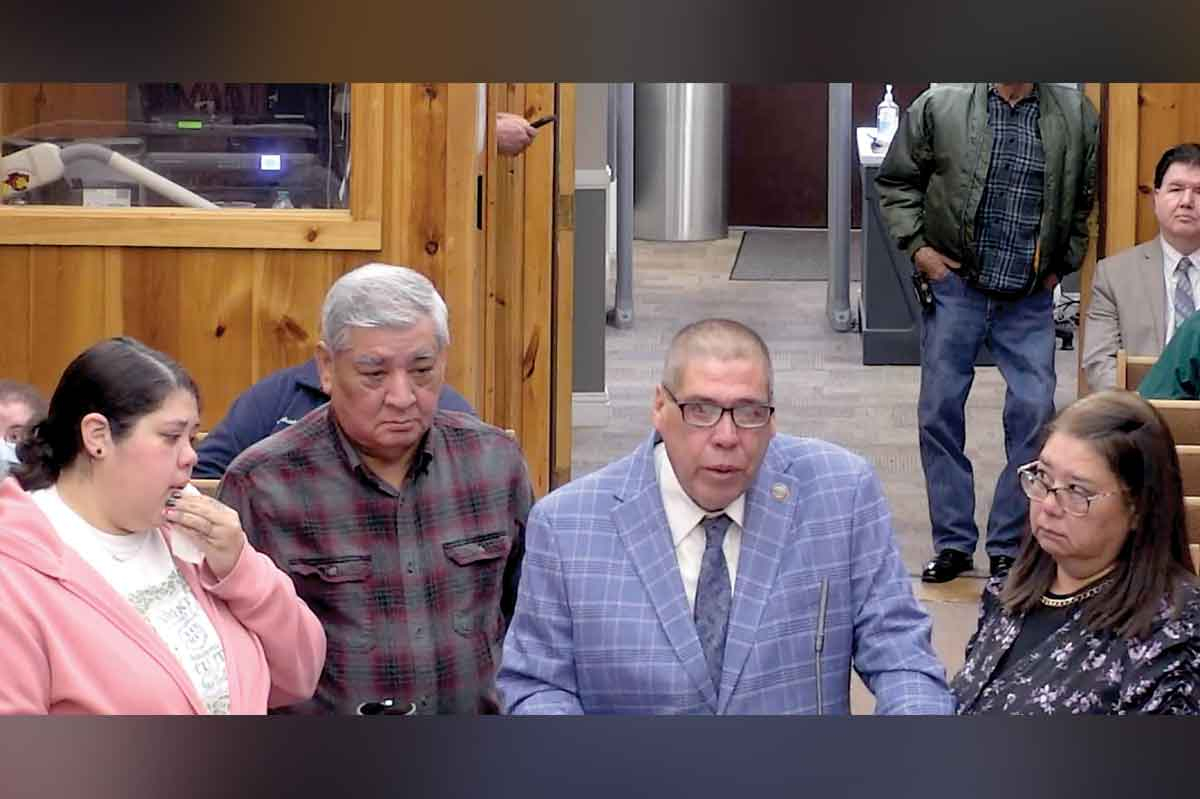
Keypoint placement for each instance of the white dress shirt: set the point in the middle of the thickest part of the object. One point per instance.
(1171, 258)
(684, 517)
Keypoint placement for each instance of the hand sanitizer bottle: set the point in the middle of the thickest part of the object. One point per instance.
(888, 116)
(282, 199)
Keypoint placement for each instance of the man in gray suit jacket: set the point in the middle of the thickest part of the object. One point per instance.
(720, 568)
(1142, 295)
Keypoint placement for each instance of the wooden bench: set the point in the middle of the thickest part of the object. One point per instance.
(1182, 418)
(1192, 511)
(1132, 368)
(1189, 468)
(1192, 507)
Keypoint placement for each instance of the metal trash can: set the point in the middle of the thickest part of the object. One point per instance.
(681, 161)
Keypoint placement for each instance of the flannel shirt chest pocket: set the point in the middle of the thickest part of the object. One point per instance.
(474, 579)
(337, 589)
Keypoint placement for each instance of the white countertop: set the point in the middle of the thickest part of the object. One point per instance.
(868, 155)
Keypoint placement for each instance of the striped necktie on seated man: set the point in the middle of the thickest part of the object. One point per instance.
(1184, 302)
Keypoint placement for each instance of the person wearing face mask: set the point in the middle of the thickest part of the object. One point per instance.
(1101, 610)
(719, 569)
(20, 406)
(123, 590)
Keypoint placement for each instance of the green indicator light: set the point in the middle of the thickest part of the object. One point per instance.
(189, 124)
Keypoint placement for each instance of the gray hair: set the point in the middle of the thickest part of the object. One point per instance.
(382, 295)
(719, 339)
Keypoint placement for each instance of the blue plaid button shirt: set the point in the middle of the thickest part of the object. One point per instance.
(1010, 208)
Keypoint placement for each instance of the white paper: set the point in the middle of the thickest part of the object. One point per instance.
(182, 545)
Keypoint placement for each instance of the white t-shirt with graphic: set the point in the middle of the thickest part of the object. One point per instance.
(139, 567)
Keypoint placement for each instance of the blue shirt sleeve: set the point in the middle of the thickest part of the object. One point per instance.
(451, 400)
(250, 419)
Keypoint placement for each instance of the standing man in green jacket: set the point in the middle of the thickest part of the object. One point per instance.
(988, 188)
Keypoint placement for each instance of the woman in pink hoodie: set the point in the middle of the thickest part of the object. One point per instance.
(122, 590)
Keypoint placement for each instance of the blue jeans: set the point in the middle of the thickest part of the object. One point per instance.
(1020, 335)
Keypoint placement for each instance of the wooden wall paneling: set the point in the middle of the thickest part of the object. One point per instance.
(29, 104)
(424, 194)
(396, 174)
(84, 102)
(16, 290)
(368, 103)
(415, 185)
(390, 100)
(1170, 114)
(422, 198)
(1118, 194)
(1190, 112)
(151, 298)
(216, 325)
(315, 230)
(20, 109)
(1088, 269)
(505, 270)
(1159, 127)
(564, 285)
(491, 183)
(1121, 161)
(537, 303)
(67, 314)
(462, 277)
(114, 290)
(289, 288)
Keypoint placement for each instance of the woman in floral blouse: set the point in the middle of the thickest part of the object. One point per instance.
(1101, 610)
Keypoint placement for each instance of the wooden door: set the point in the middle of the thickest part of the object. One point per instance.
(779, 151)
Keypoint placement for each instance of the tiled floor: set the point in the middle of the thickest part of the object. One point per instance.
(822, 390)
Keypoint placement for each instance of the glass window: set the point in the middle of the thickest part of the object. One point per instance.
(224, 145)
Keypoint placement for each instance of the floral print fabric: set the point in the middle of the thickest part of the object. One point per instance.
(1075, 670)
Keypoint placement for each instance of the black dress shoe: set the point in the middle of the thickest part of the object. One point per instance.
(1000, 564)
(948, 564)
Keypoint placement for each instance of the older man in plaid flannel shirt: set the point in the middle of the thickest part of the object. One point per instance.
(401, 525)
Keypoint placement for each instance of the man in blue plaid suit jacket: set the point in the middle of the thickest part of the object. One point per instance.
(626, 606)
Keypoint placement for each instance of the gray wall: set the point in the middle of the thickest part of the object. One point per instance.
(591, 125)
(591, 158)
